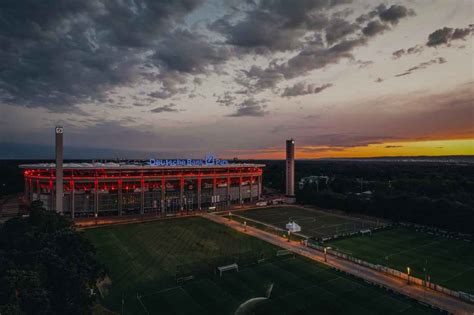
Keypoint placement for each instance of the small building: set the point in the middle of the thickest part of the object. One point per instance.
(312, 180)
(293, 227)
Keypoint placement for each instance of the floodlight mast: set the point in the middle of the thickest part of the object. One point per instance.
(59, 169)
(290, 170)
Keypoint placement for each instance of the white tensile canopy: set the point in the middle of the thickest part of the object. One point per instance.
(293, 227)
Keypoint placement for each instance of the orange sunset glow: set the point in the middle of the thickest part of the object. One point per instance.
(408, 148)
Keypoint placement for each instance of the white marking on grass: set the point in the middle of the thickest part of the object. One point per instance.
(163, 290)
(143, 305)
(413, 248)
(247, 306)
(458, 275)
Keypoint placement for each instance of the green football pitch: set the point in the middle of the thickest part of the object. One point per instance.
(144, 259)
(448, 262)
(314, 223)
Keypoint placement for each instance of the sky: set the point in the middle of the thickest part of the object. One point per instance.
(237, 78)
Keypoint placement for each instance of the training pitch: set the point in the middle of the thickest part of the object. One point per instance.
(144, 260)
(448, 262)
(314, 223)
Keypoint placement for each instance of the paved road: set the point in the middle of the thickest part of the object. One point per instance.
(428, 296)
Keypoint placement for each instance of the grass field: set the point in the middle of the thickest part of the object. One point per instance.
(142, 260)
(314, 223)
(449, 262)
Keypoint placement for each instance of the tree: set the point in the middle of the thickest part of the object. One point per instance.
(47, 266)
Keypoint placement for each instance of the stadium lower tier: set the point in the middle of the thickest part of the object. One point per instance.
(129, 194)
(80, 203)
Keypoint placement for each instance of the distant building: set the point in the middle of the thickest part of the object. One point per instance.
(367, 195)
(312, 180)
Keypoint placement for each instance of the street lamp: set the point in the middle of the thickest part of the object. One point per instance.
(289, 235)
(408, 275)
(245, 226)
(325, 254)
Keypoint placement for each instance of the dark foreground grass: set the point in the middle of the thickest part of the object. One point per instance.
(143, 258)
(314, 223)
(448, 262)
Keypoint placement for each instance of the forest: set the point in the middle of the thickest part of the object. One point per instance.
(437, 194)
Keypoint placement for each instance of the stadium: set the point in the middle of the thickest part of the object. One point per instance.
(163, 187)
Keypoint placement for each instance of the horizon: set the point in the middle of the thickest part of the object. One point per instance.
(87, 154)
(345, 79)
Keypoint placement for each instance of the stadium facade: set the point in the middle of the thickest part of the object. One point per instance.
(163, 187)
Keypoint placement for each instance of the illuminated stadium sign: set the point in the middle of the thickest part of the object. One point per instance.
(209, 160)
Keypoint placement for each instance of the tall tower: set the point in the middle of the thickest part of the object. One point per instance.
(290, 170)
(59, 169)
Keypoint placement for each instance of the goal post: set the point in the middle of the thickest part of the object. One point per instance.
(225, 268)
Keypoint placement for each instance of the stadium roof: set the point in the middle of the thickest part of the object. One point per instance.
(128, 166)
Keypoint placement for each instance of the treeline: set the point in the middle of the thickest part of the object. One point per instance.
(46, 266)
(11, 177)
(434, 194)
(406, 207)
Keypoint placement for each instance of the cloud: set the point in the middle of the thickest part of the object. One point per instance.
(402, 52)
(56, 56)
(250, 107)
(379, 80)
(414, 50)
(423, 65)
(366, 17)
(445, 35)
(276, 25)
(461, 33)
(313, 117)
(186, 52)
(338, 28)
(279, 25)
(393, 146)
(302, 88)
(374, 28)
(391, 15)
(170, 108)
(313, 55)
(162, 94)
(183, 53)
(312, 58)
(387, 16)
(397, 54)
(136, 23)
(394, 13)
(60, 56)
(364, 64)
(442, 36)
(227, 99)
